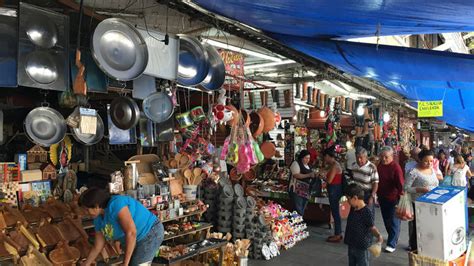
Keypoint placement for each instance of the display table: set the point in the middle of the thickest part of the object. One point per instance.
(318, 209)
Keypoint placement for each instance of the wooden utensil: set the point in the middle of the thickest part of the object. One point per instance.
(188, 175)
(80, 85)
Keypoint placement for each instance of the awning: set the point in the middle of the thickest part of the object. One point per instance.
(348, 18)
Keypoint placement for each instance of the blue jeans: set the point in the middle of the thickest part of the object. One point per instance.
(146, 248)
(358, 257)
(299, 202)
(392, 223)
(335, 194)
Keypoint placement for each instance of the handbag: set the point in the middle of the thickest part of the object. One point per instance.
(315, 187)
(302, 189)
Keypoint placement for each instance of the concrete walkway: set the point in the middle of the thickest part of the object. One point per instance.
(316, 251)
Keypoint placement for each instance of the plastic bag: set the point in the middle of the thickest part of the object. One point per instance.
(404, 209)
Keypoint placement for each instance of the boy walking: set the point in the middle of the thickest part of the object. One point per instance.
(360, 227)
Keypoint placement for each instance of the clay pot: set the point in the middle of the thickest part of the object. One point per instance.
(234, 175)
(268, 149)
(235, 115)
(256, 124)
(268, 119)
(250, 175)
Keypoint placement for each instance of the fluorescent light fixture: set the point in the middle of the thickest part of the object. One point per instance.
(285, 62)
(360, 110)
(312, 74)
(386, 117)
(365, 96)
(322, 113)
(242, 50)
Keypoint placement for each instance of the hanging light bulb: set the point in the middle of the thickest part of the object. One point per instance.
(349, 145)
(386, 117)
(360, 110)
(322, 113)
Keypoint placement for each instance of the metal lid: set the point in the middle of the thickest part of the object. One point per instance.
(193, 65)
(124, 112)
(41, 67)
(45, 126)
(119, 50)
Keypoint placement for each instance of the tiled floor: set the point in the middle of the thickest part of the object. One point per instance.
(315, 251)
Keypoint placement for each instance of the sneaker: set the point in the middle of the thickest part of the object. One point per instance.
(389, 249)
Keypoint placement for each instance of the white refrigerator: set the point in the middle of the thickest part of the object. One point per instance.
(441, 223)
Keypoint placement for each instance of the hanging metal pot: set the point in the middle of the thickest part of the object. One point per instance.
(193, 65)
(216, 76)
(90, 139)
(124, 112)
(45, 126)
(158, 107)
(119, 49)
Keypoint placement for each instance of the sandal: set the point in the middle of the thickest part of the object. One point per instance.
(334, 239)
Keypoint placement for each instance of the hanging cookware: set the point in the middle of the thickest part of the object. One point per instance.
(43, 48)
(158, 107)
(124, 112)
(9, 44)
(45, 126)
(235, 115)
(193, 65)
(245, 117)
(119, 50)
(165, 130)
(90, 139)
(268, 119)
(160, 54)
(268, 149)
(256, 124)
(184, 120)
(216, 75)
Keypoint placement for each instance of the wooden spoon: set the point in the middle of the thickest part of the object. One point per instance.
(188, 174)
(197, 172)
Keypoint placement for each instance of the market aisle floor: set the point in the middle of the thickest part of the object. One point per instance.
(315, 251)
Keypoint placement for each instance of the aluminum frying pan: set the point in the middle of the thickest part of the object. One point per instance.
(45, 126)
(193, 65)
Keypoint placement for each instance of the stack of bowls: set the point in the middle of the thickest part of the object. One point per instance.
(226, 202)
(210, 196)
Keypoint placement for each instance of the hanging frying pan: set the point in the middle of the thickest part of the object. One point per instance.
(45, 126)
(164, 130)
(193, 65)
(124, 112)
(90, 139)
(119, 50)
(256, 124)
(216, 76)
(158, 107)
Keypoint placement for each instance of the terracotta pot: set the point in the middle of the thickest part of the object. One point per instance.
(250, 175)
(235, 115)
(268, 119)
(256, 124)
(234, 175)
(268, 149)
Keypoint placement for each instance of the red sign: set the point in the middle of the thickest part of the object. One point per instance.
(234, 66)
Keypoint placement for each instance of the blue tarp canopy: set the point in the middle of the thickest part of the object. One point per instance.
(310, 26)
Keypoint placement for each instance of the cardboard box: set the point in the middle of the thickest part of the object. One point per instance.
(441, 223)
(31, 175)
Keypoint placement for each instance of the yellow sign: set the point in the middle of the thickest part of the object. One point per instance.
(430, 109)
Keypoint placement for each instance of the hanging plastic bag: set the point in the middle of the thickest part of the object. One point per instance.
(404, 209)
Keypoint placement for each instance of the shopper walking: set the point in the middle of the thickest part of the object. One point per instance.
(389, 191)
(460, 172)
(443, 163)
(301, 175)
(420, 180)
(364, 173)
(334, 181)
(123, 219)
(359, 228)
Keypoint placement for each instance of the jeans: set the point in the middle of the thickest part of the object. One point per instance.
(146, 248)
(371, 207)
(358, 257)
(335, 194)
(390, 220)
(299, 202)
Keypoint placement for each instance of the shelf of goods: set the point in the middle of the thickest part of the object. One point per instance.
(190, 251)
(204, 226)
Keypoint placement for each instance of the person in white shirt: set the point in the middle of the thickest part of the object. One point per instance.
(459, 172)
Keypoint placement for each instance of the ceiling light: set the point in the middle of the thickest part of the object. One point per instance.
(386, 117)
(365, 96)
(349, 145)
(242, 50)
(360, 110)
(285, 62)
(312, 74)
(322, 113)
